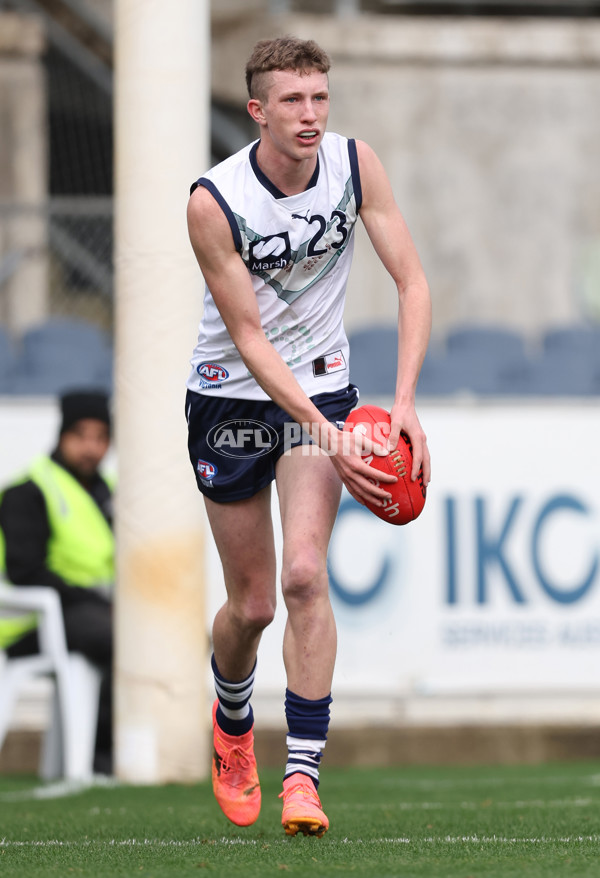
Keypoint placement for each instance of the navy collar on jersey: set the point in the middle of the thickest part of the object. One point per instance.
(271, 187)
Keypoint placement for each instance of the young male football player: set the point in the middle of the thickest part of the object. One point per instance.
(272, 229)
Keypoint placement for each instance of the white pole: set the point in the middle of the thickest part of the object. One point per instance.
(162, 113)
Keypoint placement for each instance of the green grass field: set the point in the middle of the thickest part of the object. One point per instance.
(522, 822)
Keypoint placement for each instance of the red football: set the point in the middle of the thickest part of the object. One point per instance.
(408, 497)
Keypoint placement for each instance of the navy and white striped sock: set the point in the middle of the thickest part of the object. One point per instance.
(308, 724)
(234, 713)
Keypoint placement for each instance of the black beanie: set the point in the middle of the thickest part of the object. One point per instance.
(79, 404)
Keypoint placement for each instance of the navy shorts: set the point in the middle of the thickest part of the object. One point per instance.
(234, 444)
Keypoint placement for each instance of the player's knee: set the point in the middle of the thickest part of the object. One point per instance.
(303, 580)
(255, 614)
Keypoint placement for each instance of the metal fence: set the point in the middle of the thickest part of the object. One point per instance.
(67, 246)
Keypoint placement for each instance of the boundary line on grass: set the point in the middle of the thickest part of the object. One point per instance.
(226, 842)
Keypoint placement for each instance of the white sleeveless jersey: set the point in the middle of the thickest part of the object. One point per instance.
(298, 251)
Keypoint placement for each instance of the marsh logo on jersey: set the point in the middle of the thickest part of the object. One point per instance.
(271, 252)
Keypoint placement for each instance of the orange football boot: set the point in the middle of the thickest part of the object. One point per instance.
(302, 807)
(234, 776)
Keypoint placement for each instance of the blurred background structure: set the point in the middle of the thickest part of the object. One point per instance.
(485, 114)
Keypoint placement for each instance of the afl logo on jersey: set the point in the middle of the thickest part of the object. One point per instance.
(242, 438)
(271, 252)
(207, 471)
(211, 375)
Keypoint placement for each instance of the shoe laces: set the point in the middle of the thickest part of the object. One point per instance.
(236, 758)
(304, 788)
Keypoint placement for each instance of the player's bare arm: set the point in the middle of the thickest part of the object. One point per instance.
(391, 239)
(227, 278)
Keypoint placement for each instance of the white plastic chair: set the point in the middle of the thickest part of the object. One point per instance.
(68, 747)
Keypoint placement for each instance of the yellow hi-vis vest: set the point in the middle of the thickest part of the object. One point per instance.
(81, 546)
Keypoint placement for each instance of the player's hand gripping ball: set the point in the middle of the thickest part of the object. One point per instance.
(408, 497)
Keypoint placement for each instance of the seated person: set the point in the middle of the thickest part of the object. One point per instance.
(56, 521)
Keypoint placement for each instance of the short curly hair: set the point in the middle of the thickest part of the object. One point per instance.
(282, 53)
